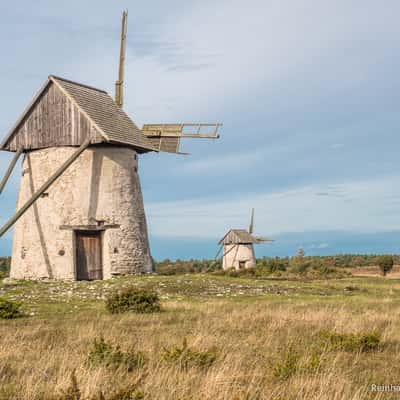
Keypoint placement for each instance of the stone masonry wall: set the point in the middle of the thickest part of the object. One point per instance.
(234, 253)
(101, 188)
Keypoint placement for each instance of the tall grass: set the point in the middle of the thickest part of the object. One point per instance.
(265, 347)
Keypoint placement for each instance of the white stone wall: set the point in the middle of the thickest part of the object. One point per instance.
(235, 253)
(101, 187)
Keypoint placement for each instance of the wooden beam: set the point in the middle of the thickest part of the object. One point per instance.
(119, 84)
(233, 247)
(183, 135)
(43, 188)
(177, 130)
(10, 169)
(251, 227)
(219, 251)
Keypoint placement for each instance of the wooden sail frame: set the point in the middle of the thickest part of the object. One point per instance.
(167, 137)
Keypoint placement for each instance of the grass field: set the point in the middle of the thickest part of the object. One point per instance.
(271, 339)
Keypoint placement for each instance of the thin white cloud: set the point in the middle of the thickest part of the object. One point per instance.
(319, 246)
(366, 206)
(207, 55)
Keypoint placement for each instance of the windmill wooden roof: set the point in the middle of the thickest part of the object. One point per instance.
(67, 113)
(238, 236)
(241, 236)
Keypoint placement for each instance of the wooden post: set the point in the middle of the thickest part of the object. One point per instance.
(119, 84)
(219, 251)
(43, 188)
(251, 227)
(10, 169)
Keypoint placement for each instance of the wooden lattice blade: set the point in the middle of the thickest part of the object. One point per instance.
(166, 137)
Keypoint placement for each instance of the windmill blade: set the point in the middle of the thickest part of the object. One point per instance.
(259, 239)
(219, 251)
(119, 84)
(10, 169)
(167, 137)
(251, 227)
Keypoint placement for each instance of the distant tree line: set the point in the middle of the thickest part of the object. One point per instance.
(298, 263)
(340, 260)
(168, 267)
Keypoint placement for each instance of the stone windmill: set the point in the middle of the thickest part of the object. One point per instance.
(80, 212)
(238, 247)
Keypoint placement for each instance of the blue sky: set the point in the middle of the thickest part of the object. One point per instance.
(308, 92)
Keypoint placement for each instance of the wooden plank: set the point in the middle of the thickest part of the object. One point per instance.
(54, 121)
(88, 256)
(178, 130)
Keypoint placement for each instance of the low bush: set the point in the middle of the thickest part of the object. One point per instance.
(267, 266)
(185, 357)
(352, 342)
(105, 354)
(9, 309)
(288, 365)
(132, 299)
(277, 264)
(127, 393)
(168, 267)
(385, 264)
(298, 360)
(5, 263)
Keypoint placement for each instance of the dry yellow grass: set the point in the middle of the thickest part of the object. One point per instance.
(374, 271)
(251, 335)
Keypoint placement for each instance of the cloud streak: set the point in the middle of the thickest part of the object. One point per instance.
(372, 209)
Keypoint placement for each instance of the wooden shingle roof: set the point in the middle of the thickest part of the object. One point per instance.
(102, 119)
(238, 236)
(100, 107)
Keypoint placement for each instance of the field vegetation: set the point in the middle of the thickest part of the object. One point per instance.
(279, 332)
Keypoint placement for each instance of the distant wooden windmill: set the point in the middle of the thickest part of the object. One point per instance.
(80, 207)
(238, 247)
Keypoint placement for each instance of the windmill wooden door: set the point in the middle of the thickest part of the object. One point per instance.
(88, 256)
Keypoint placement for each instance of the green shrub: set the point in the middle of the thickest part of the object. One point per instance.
(132, 299)
(313, 363)
(385, 264)
(299, 265)
(352, 342)
(277, 264)
(9, 309)
(168, 267)
(5, 263)
(127, 393)
(185, 357)
(105, 354)
(288, 365)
